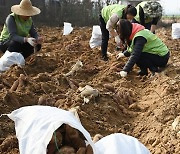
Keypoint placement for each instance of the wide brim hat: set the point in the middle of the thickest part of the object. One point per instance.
(25, 8)
(152, 9)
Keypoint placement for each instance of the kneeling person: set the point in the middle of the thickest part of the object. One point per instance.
(144, 48)
(19, 34)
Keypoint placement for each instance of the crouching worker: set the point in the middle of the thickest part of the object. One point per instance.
(108, 20)
(144, 48)
(18, 34)
(148, 14)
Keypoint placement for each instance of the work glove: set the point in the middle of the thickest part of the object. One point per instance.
(123, 74)
(117, 40)
(120, 55)
(31, 41)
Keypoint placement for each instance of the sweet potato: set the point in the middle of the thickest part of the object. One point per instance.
(69, 141)
(9, 143)
(22, 76)
(85, 150)
(14, 86)
(81, 150)
(42, 100)
(21, 79)
(66, 150)
(109, 87)
(1, 86)
(97, 137)
(10, 99)
(71, 84)
(74, 138)
(89, 150)
(56, 140)
(18, 84)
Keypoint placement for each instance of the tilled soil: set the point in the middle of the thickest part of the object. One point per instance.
(144, 107)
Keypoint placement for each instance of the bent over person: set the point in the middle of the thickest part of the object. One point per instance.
(19, 34)
(148, 14)
(145, 49)
(110, 15)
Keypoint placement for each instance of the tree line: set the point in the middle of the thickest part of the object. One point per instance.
(55, 12)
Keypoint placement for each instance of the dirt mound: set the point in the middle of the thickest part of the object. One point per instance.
(144, 107)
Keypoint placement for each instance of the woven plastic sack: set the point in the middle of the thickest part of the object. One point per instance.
(35, 125)
(96, 38)
(176, 30)
(119, 143)
(9, 59)
(67, 28)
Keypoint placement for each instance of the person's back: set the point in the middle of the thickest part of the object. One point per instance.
(154, 45)
(109, 10)
(148, 14)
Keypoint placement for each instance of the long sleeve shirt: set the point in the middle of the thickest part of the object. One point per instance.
(11, 25)
(139, 43)
(112, 21)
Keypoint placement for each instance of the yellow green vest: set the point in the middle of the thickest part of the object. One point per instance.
(109, 10)
(153, 45)
(137, 17)
(23, 27)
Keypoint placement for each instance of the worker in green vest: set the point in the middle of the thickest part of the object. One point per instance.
(109, 17)
(148, 14)
(19, 34)
(145, 49)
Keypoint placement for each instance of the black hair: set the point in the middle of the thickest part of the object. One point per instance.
(129, 9)
(124, 30)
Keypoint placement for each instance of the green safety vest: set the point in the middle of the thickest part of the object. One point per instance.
(137, 17)
(109, 10)
(153, 45)
(23, 27)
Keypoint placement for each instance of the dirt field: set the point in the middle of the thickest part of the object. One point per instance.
(144, 107)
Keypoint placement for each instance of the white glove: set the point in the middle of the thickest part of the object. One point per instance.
(123, 74)
(120, 55)
(117, 40)
(31, 41)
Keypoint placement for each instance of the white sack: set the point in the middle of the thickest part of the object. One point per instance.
(9, 59)
(176, 30)
(35, 125)
(67, 28)
(96, 37)
(120, 144)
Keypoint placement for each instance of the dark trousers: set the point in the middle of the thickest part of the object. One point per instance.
(148, 25)
(152, 61)
(25, 48)
(4, 45)
(105, 36)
